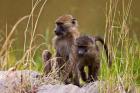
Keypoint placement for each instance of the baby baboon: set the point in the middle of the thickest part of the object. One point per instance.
(87, 54)
(66, 31)
(46, 56)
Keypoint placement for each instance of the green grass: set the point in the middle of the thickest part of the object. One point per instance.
(125, 70)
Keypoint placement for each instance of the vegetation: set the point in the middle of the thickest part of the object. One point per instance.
(125, 71)
(125, 50)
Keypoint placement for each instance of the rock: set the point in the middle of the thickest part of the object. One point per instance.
(89, 88)
(17, 81)
(27, 81)
(59, 89)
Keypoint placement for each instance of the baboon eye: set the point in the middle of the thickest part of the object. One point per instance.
(59, 23)
(83, 47)
(73, 21)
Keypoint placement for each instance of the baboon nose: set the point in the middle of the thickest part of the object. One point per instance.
(80, 53)
(57, 32)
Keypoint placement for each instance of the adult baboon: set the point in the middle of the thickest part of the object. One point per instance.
(66, 31)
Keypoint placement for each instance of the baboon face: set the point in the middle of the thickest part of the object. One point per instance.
(46, 55)
(84, 46)
(64, 25)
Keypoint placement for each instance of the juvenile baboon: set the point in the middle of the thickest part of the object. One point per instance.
(66, 31)
(87, 54)
(46, 56)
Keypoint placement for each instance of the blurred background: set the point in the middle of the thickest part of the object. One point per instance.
(26, 29)
(91, 15)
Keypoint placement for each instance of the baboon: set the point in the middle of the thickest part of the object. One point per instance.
(66, 31)
(46, 56)
(87, 54)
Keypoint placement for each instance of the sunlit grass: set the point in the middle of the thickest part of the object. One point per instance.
(125, 51)
(30, 58)
(124, 73)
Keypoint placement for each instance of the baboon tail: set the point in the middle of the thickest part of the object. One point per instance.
(98, 38)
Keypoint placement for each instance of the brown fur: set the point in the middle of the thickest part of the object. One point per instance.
(87, 54)
(66, 32)
(46, 56)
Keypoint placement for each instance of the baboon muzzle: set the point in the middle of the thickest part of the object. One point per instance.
(81, 52)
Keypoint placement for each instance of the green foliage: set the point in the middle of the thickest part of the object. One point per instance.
(125, 70)
(38, 64)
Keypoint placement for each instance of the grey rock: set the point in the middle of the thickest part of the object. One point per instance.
(89, 88)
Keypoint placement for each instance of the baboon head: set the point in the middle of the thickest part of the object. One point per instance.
(46, 55)
(85, 46)
(65, 25)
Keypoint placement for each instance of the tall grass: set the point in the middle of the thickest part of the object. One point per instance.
(29, 56)
(124, 75)
(125, 71)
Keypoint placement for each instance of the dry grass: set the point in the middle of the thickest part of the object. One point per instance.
(125, 72)
(124, 75)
